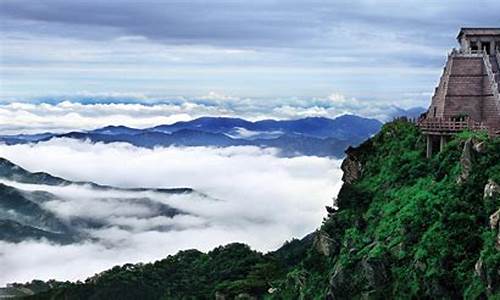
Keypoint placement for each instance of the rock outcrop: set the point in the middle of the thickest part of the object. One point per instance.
(479, 147)
(488, 275)
(466, 162)
(491, 189)
(374, 275)
(324, 244)
(495, 225)
(352, 167)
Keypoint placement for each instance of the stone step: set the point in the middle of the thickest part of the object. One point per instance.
(467, 67)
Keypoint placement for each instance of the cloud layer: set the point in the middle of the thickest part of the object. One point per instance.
(81, 114)
(366, 49)
(262, 200)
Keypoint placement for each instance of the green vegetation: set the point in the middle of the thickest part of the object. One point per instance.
(405, 229)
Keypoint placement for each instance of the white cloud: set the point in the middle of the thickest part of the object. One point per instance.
(22, 117)
(262, 200)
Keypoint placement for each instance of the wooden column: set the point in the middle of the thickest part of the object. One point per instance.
(442, 142)
(429, 146)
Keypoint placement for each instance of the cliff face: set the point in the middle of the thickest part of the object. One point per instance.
(403, 226)
(409, 227)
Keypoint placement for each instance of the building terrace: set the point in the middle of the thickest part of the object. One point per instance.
(468, 95)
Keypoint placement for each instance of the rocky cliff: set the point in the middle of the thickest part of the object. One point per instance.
(405, 226)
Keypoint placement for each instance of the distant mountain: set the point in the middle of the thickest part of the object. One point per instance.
(24, 215)
(343, 127)
(209, 124)
(309, 136)
(113, 130)
(411, 113)
(25, 138)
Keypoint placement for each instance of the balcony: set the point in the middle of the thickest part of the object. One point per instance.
(450, 126)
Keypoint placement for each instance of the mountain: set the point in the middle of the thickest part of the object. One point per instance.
(310, 136)
(16, 232)
(209, 124)
(411, 113)
(402, 227)
(25, 138)
(112, 130)
(25, 213)
(343, 127)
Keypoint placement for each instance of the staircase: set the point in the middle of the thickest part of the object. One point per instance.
(492, 69)
(492, 66)
(495, 68)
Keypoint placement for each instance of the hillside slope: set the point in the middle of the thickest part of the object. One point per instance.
(403, 227)
(27, 202)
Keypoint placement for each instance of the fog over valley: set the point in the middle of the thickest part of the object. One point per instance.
(240, 194)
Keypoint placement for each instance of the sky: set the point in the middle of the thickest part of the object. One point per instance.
(377, 52)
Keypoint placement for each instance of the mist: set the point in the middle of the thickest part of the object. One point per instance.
(243, 194)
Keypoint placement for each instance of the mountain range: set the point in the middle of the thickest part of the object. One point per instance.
(309, 136)
(26, 199)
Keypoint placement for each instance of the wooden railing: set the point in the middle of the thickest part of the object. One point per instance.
(449, 125)
(462, 53)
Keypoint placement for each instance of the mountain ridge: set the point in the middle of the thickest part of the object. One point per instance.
(23, 215)
(315, 136)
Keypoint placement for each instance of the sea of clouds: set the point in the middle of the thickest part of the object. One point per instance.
(94, 111)
(254, 196)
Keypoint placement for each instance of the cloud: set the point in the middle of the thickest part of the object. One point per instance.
(366, 49)
(94, 112)
(259, 23)
(255, 197)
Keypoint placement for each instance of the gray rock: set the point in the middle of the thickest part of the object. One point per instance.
(479, 147)
(245, 296)
(495, 225)
(352, 169)
(489, 279)
(465, 162)
(491, 189)
(374, 273)
(479, 270)
(324, 244)
(219, 296)
(494, 218)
